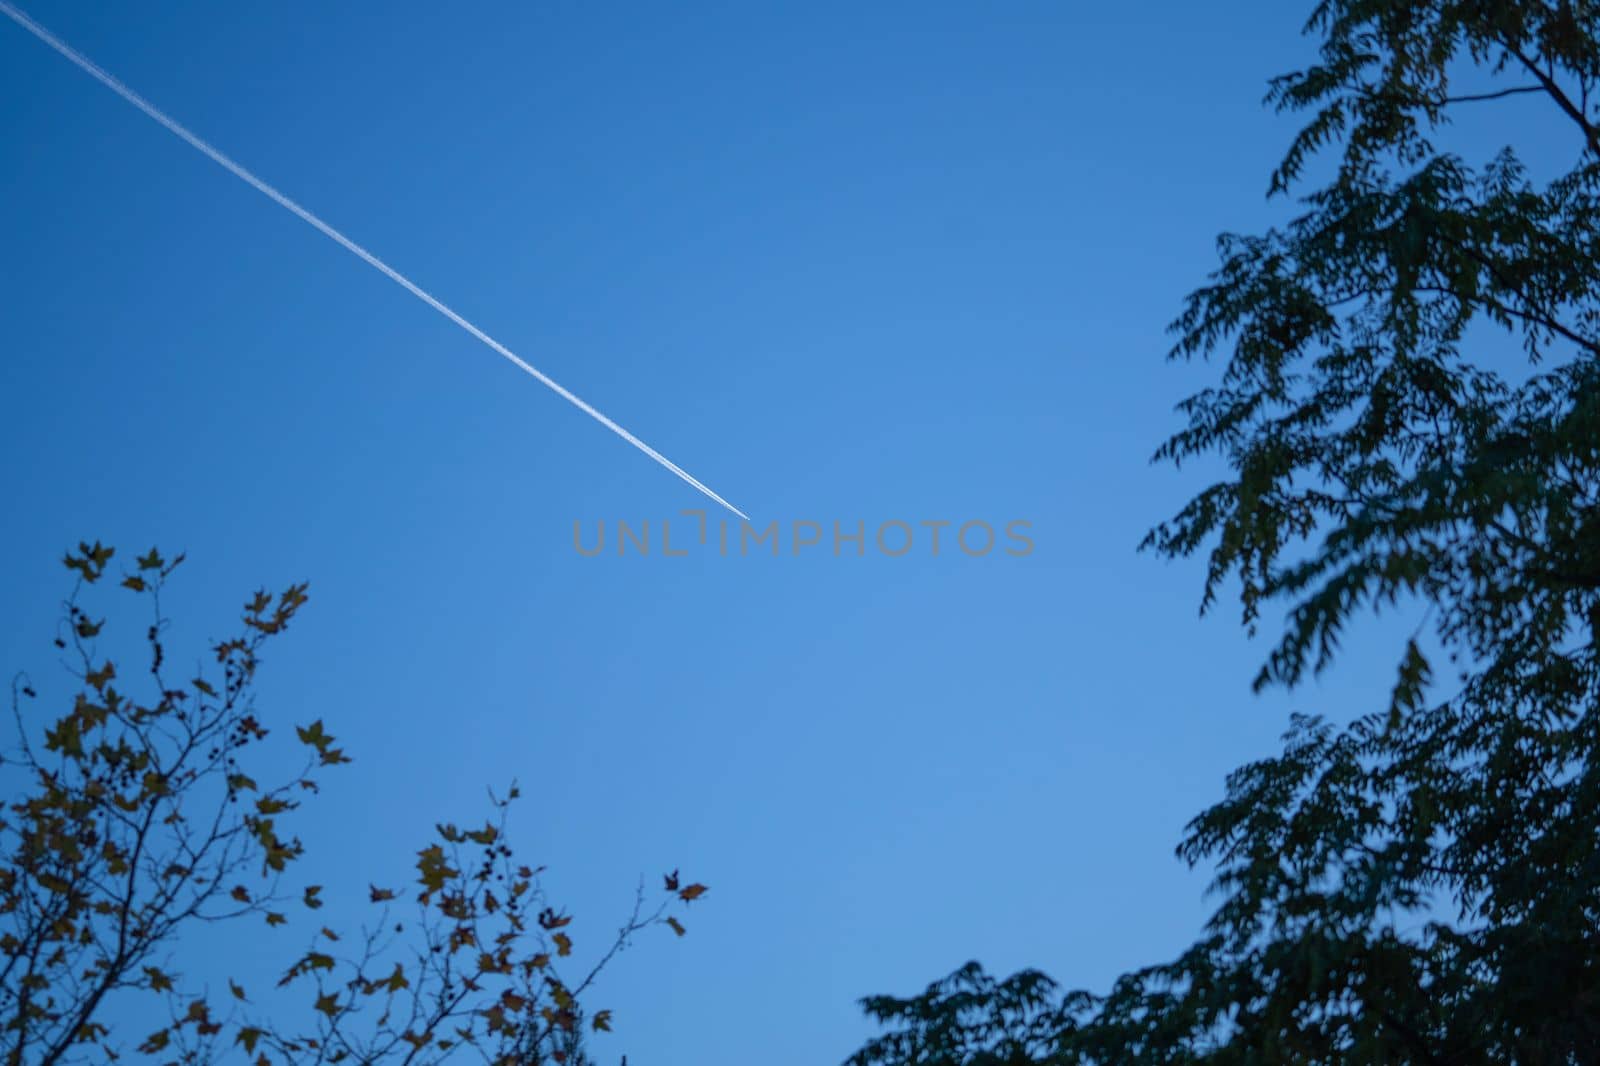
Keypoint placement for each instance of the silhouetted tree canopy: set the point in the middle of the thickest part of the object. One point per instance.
(1421, 885)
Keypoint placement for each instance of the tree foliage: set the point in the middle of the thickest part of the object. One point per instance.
(139, 823)
(1421, 885)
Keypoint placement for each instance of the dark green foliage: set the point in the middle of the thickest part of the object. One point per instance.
(1422, 885)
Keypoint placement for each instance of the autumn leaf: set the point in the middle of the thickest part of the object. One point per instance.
(397, 980)
(134, 582)
(549, 919)
(692, 893)
(310, 899)
(563, 944)
(274, 918)
(432, 868)
(677, 926)
(313, 735)
(328, 1004)
(98, 678)
(238, 993)
(672, 881)
(159, 982)
(379, 895)
(602, 1021)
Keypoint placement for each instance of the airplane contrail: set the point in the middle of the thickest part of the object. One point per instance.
(89, 67)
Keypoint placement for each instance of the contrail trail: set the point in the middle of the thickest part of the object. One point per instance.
(89, 67)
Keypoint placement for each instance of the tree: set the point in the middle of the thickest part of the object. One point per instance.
(139, 822)
(1421, 885)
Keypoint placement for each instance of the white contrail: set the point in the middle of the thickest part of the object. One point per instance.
(89, 67)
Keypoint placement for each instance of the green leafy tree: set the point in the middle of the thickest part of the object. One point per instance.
(139, 823)
(1421, 885)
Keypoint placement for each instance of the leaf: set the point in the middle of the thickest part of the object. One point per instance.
(240, 893)
(152, 561)
(238, 993)
(274, 918)
(328, 1004)
(397, 980)
(379, 895)
(672, 881)
(248, 1037)
(677, 926)
(159, 982)
(563, 944)
(692, 893)
(602, 1021)
(313, 735)
(310, 899)
(98, 678)
(134, 582)
(432, 869)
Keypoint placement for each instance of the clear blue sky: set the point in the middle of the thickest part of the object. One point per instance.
(841, 262)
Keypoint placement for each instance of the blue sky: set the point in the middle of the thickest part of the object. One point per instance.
(842, 263)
